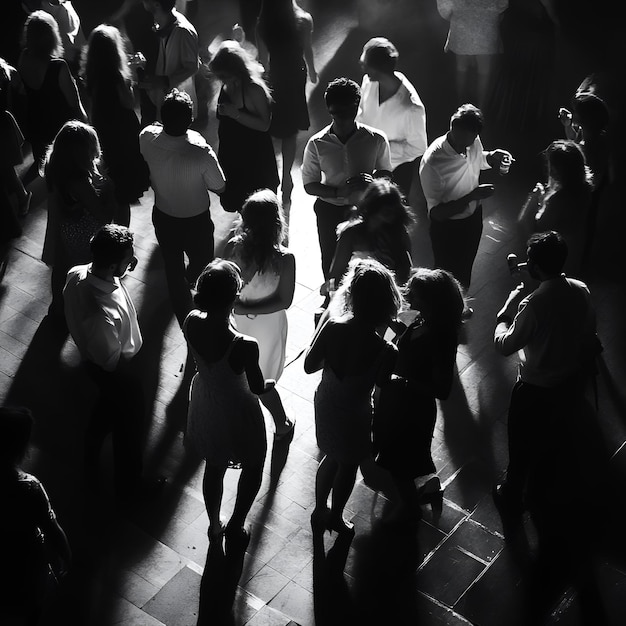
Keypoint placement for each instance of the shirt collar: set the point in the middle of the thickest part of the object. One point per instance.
(102, 285)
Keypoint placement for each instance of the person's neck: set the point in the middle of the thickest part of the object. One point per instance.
(454, 143)
(388, 84)
(344, 131)
(164, 19)
(105, 273)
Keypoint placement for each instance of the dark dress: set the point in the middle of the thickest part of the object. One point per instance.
(118, 129)
(287, 78)
(247, 158)
(46, 110)
(406, 409)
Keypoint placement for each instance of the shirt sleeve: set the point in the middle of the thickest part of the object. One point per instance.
(383, 158)
(432, 185)
(213, 174)
(311, 170)
(509, 340)
(416, 143)
(189, 60)
(103, 346)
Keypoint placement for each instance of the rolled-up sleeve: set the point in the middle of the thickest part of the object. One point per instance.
(311, 170)
(508, 340)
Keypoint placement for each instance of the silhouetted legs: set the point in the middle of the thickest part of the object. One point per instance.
(338, 478)
(272, 402)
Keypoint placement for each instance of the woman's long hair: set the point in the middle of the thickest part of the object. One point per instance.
(74, 155)
(41, 36)
(567, 168)
(369, 292)
(380, 194)
(260, 231)
(232, 59)
(439, 297)
(104, 58)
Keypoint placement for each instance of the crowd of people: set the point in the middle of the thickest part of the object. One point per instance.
(105, 123)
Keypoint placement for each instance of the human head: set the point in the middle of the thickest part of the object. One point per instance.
(590, 112)
(41, 35)
(546, 253)
(218, 286)
(262, 218)
(382, 204)
(16, 425)
(232, 61)
(466, 124)
(437, 295)
(379, 56)
(342, 97)
(112, 250)
(369, 292)
(159, 6)
(176, 112)
(566, 164)
(105, 53)
(74, 152)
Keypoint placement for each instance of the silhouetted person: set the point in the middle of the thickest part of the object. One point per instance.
(35, 546)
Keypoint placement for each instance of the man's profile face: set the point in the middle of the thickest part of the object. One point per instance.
(343, 112)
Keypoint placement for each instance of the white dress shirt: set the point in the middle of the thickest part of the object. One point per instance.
(101, 318)
(447, 175)
(329, 161)
(182, 170)
(402, 118)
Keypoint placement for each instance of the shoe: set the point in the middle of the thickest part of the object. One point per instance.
(505, 502)
(236, 538)
(430, 491)
(340, 525)
(467, 313)
(288, 433)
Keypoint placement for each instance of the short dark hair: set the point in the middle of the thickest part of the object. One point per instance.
(176, 112)
(343, 92)
(380, 54)
(110, 244)
(547, 250)
(16, 425)
(166, 5)
(217, 286)
(468, 117)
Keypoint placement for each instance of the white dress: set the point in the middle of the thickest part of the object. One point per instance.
(269, 329)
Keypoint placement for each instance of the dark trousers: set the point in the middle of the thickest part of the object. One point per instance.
(455, 244)
(119, 411)
(404, 174)
(329, 216)
(538, 419)
(178, 236)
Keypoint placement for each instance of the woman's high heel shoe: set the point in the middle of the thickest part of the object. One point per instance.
(340, 526)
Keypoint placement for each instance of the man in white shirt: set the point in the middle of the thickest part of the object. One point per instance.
(390, 103)
(339, 162)
(178, 59)
(183, 169)
(450, 177)
(102, 321)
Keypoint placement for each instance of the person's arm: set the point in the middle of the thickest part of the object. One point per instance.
(382, 168)
(103, 346)
(414, 141)
(188, 55)
(68, 87)
(250, 356)
(316, 353)
(213, 174)
(387, 365)
(56, 543)
(259, 115)
(446, 210)
(281, 299)
(531, 206)
(513, 331)
(343, 254)
(307, 46)
(312, 174)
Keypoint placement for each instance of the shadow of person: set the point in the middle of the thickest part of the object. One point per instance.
(332, 603)
(218, 587)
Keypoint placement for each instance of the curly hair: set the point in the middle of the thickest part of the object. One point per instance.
(217, 286)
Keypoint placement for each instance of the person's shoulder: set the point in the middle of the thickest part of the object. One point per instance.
(435, 149)
(183, 24)
(365, 129)
(196, 141)
(320, 134)
(77, 274)
(152, 131)
(408, 90)
(578, 284)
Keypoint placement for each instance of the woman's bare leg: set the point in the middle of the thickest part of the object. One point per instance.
(212, 490)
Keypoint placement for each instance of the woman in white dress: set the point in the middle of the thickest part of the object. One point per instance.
(269, 277)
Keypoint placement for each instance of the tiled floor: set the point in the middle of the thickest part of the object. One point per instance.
(143, 565)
